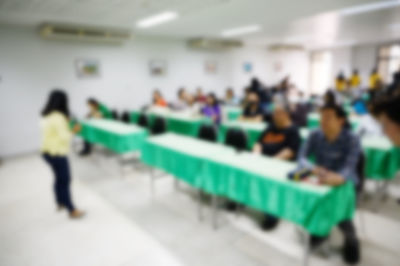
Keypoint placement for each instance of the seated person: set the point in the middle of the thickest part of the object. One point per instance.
(193, 107)
(367, 125)
(230, 98)
(212, 109)
(200, 97)
(279, 140)
(96, 110)
(182, 102)
(252, 111)
(337, 152)
(158, 100)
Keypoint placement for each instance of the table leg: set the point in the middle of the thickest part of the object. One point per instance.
(176, 183)
(152, 185)
(121, 165)
(215, 211)
(307, 250)
(200, 205)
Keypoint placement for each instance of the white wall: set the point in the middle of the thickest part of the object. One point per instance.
(292, 63)
(30, 67)
(365, 59)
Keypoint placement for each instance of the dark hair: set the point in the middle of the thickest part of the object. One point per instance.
(388, 105)
(329, 98)
(215, 100)
(341, 76)
(180, 91)
(93, 101)
(339, 112)
(58, 101)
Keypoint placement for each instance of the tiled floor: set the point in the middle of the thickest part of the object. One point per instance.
(125, 225)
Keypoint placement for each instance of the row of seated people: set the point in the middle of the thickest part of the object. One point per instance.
(337, 154)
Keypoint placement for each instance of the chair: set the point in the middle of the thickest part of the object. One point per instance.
(236, 138)
(208, 132)
(159, 126)
(125, 117)
(142, 120)
(114, 114)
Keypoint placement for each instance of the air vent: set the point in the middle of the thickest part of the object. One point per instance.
(285, 47)
(83, 33)
(213, 44)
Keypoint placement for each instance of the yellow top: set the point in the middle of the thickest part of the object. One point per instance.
(373, 79)
(341, 85)
(355, 81)
(56, 134)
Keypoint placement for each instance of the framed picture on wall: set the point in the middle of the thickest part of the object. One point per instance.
(210, 67)
(247, 67)
(87, 68)
(158, 67)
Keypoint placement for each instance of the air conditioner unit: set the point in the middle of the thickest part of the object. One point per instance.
(213, 44)
(83, 33)
(285, 47)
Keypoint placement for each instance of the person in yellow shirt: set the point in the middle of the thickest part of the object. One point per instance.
(56, 137)
(355, 79)
(341, 83)
(374, 80)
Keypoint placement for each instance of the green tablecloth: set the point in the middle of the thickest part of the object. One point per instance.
(116, 136)
(252, 129)
(181, 123)
(382, 158)
(313, 121)
(232, 113)
(253, 180)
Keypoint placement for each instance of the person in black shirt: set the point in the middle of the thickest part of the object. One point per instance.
(280, 140)
(252, 110)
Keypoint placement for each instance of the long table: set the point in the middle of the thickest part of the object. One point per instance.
(178, 122)
(116, 136)
(252, 180)
(382, 158)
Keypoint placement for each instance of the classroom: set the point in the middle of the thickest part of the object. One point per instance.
(194, 133)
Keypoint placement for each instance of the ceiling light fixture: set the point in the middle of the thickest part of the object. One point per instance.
(369, 7)
(241, 30)
(157, 19)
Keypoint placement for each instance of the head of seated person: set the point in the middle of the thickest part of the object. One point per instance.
(333, 121)
(182, 101)
(281, 139)
(387, 111)
(252, 111)
(94, 108)
(158, 99)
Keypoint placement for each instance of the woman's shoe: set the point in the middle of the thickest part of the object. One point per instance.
(76, 214)
(60, 207)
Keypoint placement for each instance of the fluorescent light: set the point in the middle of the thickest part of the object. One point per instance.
(369, 7)
(157, 19)
(241, 30)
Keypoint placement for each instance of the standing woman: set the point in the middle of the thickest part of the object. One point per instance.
(56, 137)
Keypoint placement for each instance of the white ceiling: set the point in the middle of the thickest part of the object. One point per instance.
(311, 22)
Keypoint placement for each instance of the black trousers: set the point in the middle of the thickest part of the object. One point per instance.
(60, 167)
